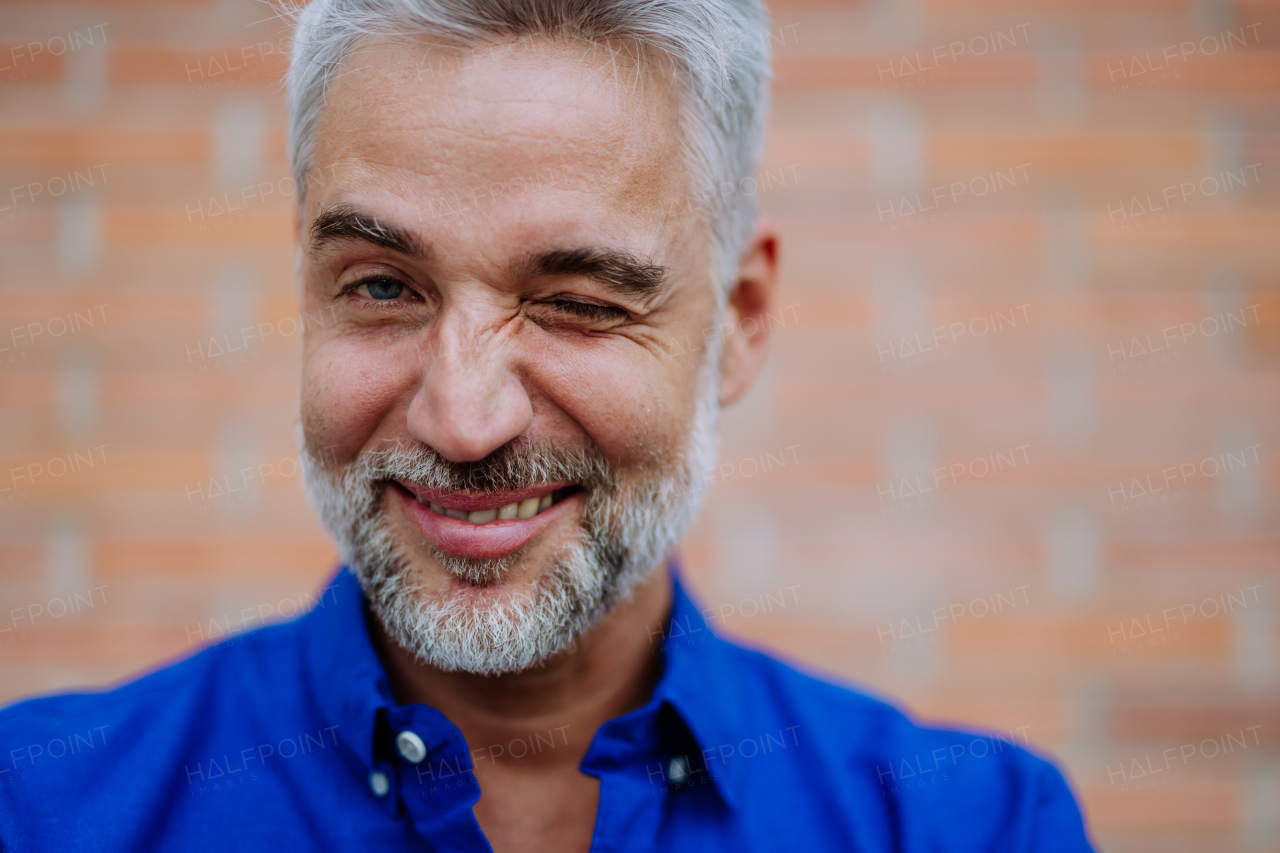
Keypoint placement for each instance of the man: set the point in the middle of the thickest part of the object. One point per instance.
(502, 207)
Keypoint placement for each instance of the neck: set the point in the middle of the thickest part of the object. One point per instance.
(607, 672)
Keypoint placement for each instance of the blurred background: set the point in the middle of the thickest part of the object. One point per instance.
(1014, 461)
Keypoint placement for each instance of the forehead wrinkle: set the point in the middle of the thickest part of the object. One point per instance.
(490, 59)
(628, 162)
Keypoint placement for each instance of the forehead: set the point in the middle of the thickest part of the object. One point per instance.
(572, 134)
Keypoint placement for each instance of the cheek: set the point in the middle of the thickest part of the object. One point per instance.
(636, 406)
(352, 389)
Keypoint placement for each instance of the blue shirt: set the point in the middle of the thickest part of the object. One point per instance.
(289, 738)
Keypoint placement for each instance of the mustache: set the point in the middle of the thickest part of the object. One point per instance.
(517, 465)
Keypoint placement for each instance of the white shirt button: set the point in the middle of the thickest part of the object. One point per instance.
(411, 747)
(379, 783)
(678, 770)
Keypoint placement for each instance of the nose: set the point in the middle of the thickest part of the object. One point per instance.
(471, 400)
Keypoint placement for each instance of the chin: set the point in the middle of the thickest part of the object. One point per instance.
(494, 566)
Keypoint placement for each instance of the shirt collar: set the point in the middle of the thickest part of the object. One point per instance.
(350, 684)
(700, 680)
(348, 679)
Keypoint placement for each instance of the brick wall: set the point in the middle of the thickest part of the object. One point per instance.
(1013, 460)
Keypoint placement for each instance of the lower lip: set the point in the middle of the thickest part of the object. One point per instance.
(480, 541)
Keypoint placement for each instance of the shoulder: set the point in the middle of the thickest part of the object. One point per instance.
(228, 667)
(963, 789)
(122, 742)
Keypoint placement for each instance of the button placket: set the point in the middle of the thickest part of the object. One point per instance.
(437, 783)
(411, 747)
(678, 770)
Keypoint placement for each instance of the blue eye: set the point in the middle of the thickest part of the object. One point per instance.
(382, 288)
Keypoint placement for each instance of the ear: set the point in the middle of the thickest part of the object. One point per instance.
(746, 320)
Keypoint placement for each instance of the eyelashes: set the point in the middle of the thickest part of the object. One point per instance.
(588, 310)
(377, 288)
(387, 291)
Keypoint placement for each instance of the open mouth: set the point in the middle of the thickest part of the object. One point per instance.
(522, 509)
(486, 525)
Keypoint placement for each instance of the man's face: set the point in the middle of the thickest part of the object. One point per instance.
(508, 395)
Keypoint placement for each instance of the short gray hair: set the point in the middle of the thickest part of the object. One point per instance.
(720, 49)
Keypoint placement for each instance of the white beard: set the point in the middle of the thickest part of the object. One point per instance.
(627, 530)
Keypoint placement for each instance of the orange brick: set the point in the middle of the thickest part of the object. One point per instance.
(312, 559)
(897, 72)
(233, 64)
(234, 229)
(1044, 636)
(18, 66)
(1179, 718)
(93, 643)
(1083, 151)
(82, 146)
(1247, 69)
(1179, 807)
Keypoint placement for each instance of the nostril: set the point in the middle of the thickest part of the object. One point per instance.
(467, 415)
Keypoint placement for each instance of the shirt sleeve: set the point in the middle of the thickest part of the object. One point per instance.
(1057, 825)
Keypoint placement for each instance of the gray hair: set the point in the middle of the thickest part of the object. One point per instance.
(720, 50)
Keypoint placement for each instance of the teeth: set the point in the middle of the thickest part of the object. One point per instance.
(527, 508)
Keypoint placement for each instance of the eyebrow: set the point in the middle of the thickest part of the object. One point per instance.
(342, 223)
(618, 270)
